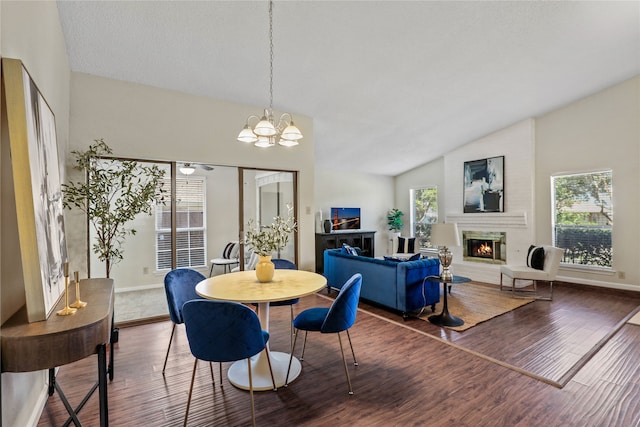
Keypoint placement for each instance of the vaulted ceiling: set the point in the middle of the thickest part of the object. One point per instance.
(390, 85)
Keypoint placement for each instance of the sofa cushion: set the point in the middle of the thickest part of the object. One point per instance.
(392, 258)
(406, 245)
(349, 250)
(535, 257)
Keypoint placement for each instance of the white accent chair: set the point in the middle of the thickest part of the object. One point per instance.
(552, 258)
(230, 256)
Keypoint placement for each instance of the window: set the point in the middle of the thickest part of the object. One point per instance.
(190, 229)
(424, 212)
(583, 217)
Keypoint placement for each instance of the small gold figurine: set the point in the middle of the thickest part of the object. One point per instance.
(66, 310)
(78, 303)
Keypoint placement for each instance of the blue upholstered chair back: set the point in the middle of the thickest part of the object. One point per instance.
(342, 314)
(180, 287)
(222, 331)
(283, 264)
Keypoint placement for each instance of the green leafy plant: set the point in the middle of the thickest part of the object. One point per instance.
(114, 192)
(266, 239)
(394, 219)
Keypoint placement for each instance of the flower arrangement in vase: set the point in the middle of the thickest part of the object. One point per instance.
(266, 239)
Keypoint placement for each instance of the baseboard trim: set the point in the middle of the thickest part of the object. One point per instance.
(139, 288)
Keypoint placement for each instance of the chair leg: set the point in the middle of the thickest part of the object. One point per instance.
(344, 361)
(293, 347)
(253, 410)
(291, 329)
(193, 376)
(168, 348)
(353, 353)
(220, 368)
(213, 380)
(304, 345)
(273, 379)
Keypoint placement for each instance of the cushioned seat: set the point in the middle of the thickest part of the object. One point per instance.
(552, 258)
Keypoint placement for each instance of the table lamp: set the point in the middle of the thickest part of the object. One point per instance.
(445, 236)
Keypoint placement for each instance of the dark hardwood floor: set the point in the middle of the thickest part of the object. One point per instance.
(479, 377)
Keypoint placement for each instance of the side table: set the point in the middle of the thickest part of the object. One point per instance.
(445, 318)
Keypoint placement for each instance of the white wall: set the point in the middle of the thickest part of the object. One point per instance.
(373, 194)
(144, 122)
(601, 131)
(30, 31)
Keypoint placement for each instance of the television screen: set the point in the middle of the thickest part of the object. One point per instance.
(345, 218)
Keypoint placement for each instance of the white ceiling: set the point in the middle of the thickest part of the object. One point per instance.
(390, 85)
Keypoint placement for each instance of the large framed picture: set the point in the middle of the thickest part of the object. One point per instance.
(484, 185)
(38, 192)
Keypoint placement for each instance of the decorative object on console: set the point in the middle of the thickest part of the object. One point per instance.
(78, 303)
(484, 185)
(327, 226)
(266, 131)
(445, 236)
(36, 211)
(66, 310)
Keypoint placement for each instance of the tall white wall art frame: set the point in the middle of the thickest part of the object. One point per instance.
(37, 188)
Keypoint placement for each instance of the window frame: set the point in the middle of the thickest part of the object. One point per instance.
(567, 257)
(412, 214)
(168, 230)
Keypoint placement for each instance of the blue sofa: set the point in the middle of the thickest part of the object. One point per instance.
(396, 285)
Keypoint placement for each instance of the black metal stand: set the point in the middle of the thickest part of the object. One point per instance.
(445, 318)
(101, 384)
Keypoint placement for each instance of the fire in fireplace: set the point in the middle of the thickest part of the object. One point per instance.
(484, 246)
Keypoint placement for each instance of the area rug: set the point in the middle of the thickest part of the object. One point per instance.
(476, 304)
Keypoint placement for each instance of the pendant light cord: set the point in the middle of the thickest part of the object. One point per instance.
(271, 56)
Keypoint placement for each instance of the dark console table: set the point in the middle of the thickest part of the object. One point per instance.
(445, 318)
(365, 240)
(60, 340)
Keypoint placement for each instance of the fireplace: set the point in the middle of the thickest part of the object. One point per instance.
(488, 247)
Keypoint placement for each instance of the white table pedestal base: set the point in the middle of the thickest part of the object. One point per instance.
(239, 376)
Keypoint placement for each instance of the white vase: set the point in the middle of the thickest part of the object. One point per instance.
(393, 239)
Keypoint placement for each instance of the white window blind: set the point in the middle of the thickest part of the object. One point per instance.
(190, 225)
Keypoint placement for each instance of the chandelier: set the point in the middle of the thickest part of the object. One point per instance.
(267, 130)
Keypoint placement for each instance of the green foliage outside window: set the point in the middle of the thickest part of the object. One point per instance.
(583, 215)
(424, 203)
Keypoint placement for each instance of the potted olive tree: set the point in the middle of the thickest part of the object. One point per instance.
(113, 193)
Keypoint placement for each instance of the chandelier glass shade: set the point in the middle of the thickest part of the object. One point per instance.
(268, 131)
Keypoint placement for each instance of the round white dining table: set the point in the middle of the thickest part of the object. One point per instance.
(242, 286)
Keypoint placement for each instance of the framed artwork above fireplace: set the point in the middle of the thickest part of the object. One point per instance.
(484, 185)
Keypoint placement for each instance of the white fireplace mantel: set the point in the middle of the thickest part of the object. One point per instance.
(489, 219)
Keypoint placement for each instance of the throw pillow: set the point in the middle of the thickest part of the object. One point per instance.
(535, 257)
(406, 245)
(346, 249)
(415, 257)
(392, 258)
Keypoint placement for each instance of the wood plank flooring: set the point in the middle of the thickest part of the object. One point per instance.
(404, 377)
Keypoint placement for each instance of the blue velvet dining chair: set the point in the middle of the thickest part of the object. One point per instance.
(339, 317)
(223, 331)
(180, 287)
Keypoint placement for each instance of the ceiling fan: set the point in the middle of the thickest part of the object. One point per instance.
(189, 168)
